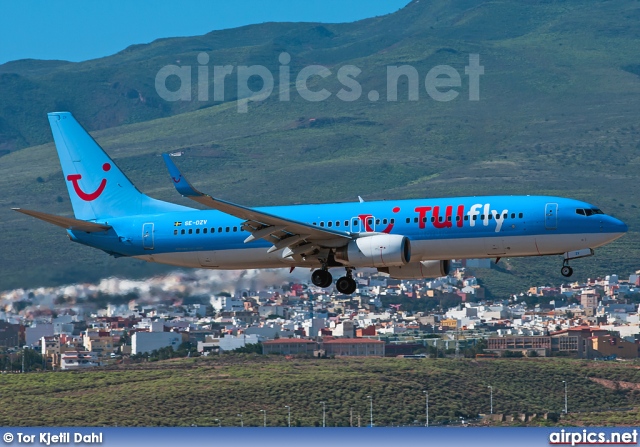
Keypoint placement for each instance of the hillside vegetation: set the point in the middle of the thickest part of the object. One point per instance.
(199, 391)
(557, 115)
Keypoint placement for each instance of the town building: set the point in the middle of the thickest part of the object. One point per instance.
(289, 346)
(146, 342)
(78, 360)
(361, 347)
(33, 334)
(9, 334)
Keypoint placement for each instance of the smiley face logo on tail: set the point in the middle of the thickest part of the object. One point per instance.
(88, 197)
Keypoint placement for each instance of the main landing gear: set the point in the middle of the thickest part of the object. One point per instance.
(345, 285)
(321, 278)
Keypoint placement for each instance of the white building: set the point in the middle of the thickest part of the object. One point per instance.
(227, 304)
(152, 326)
(266, 311)
(78, 360)
(143, 342)
(230, 342)
(313, 327)
(344, 329)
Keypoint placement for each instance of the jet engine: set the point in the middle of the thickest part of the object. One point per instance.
(379, 250)
(418, 270)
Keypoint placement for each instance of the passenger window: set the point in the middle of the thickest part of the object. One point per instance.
(355, 222)
(370, 222)
(213, 230)
(227, 229)
(322, 224)
(393, 221)
(490, 216)
(315, 224)
(475, 217)
(235, 229)
(346, 223)
(424, 219)
(182, 232)
(433, 219)
(482, 217)
(190, 231)
(448, 218)
(329, 224)
(408, 220)
(520, 215)
(513, 215)
(204, 230)
(505, 216)
(457, 218)
(175, 232)
(466, 217)
(415, 220)
(219, 229)
(377, 221)
(337, 223)
(384, 221)
(197, 230)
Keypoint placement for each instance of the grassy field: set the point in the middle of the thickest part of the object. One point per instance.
(199, 391)
(557, 115)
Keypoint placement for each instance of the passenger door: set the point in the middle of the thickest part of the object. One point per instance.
(147, 236)
(551, 216)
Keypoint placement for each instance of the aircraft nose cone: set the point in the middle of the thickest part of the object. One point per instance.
(623, 228)
(616, 226)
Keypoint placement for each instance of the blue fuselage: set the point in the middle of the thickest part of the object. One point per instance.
(443, 228)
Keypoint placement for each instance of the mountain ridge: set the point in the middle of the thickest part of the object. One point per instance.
(557, 115)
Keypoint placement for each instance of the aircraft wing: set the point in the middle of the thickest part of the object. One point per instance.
(65, 222)
(297, 238)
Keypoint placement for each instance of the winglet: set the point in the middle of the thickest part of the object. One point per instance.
(182, 184)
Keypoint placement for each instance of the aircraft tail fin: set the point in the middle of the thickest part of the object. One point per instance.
(97, 187)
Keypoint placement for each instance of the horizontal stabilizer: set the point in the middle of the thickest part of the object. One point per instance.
(66, 222)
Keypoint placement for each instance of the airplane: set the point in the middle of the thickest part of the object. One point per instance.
(407, 239)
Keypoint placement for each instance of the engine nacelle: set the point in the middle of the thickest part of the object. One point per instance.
(419, 270)
(379, 250)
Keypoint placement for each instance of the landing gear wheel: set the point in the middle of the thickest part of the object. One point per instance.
(353, 286)
(346, 285)
(566, 271)
(321, 278)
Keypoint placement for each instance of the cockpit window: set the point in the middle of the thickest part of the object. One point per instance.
(588, 211)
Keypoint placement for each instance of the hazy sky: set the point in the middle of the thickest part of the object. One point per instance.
(77, 30)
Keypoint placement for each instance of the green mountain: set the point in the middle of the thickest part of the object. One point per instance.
(557, 114)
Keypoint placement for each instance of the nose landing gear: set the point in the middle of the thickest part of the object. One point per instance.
(566, 271)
